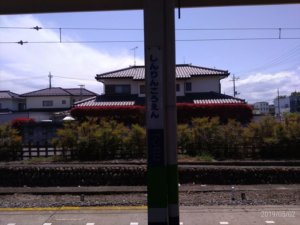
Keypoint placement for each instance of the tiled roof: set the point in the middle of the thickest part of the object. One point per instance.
(218, 101)
(108, 100)
(9, 95)
(47, 92)
(78, 91)
(183, 71)
(94, 103)
(196, 98)
(57, 91)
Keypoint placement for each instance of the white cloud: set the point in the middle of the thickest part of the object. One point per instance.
(263, 86)
(37, 60)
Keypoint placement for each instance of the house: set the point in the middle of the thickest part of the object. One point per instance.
(55, 99)
(194, 84)
(45, 103)
(198, 93)
(11, 102)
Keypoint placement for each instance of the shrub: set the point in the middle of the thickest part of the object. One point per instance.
(186, 112)
(125, 114)
(10, 143)
(185, 139)
(19, 122)
(206, 135)
(239, 112)
(136, 142)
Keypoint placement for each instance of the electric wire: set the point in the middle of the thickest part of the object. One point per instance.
(286, 56)
(140, 29)
(141, 41)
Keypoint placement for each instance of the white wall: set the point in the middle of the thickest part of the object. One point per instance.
(10, 104)
(37, 102)
(262, 107)
(199, 84)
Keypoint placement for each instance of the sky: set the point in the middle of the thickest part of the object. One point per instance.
(262, 66)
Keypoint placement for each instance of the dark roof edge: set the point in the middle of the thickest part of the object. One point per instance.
(32, 92)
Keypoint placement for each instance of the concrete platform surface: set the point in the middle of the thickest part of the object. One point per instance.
(233, 215)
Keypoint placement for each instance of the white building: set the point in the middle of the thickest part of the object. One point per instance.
(55, 99)
(194, 84)
(261, 108)
(42, 104)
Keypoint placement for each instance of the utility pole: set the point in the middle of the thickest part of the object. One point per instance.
(134, 49)
(234, 79)
(50, 79)
(81, 89)
(278, 103)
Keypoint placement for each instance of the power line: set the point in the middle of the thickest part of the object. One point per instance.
(72, 78)
(277, 60)
(21, 42)
(18, 79)
(140, 29)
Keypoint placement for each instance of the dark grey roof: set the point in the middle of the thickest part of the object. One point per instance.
(9, 95)
(183, 71)
(126, 100)
(78, 91)
(57, 91)
(47, 92)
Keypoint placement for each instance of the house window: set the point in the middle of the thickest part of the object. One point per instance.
(47, 103)
(142, 89)
(177, 87)
(63, 102)
(188, 86)
(118, 89)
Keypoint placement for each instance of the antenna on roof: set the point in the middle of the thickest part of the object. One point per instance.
(50, 79)
(134, 49)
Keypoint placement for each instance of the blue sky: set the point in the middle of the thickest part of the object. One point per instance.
(262, 65)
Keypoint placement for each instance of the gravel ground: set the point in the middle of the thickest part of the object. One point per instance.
(186, 199)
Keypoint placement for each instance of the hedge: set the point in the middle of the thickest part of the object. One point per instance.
(47, 176)
(185, 111)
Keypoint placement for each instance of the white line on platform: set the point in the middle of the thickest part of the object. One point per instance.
(90, 223)
(270, 221)
(181, 223)
(11, 224)
(134, 223)
(223, 223)
(47, 224)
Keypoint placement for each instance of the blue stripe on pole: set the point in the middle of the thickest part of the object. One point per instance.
(156, 155)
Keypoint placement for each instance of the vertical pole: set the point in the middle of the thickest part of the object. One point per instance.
(278, 102)
(161, 114)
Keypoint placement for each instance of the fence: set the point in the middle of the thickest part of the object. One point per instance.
(30, 151)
